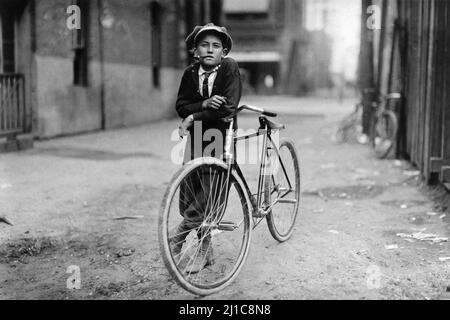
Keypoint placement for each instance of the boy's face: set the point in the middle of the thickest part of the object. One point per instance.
(211, 51)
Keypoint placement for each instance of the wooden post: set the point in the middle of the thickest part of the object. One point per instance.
(207, 11)
(216, 12)
(445, 175)
(428, 93)
(366, 69)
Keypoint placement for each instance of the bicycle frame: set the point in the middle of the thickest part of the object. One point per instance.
(259, 211)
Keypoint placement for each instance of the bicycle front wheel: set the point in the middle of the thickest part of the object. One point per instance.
(204, 226)
(282, 191)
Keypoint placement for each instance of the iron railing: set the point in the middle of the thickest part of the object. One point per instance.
(12, 104)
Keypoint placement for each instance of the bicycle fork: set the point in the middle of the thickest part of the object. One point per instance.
(228, 156)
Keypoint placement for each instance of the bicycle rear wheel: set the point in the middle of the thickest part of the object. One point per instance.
(283, 191)
(385, 133)
(199, 226)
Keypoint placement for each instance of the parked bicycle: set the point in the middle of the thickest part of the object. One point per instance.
(384, 126)
(231, 212)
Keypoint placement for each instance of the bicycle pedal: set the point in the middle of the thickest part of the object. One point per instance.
(227, 226)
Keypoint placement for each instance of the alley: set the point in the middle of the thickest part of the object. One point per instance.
(92, 201)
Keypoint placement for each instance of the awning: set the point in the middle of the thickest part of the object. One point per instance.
(256, 56)
(242, 6)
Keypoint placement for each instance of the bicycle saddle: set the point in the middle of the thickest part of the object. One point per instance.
(272, 125)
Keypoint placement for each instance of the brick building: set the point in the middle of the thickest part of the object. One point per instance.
(121, 67)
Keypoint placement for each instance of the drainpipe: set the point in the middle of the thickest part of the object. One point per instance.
(102, 68)
(207, 11)
(31, 109)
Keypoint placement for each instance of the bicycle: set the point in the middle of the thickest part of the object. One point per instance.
(230, 211)
(384, 126)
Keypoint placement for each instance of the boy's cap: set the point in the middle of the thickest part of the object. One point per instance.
(191, 40)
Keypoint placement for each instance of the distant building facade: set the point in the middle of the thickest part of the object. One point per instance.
(272, 46)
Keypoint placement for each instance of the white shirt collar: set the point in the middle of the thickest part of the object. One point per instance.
(201, 71)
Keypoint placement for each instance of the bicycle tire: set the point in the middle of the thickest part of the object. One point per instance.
(274, 216)
(174, 267)
(385, 134)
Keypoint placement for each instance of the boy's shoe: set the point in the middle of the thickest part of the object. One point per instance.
(175, 248)
(176, 239)
(203, 259)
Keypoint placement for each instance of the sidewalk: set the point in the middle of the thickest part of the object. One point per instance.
(64, 195)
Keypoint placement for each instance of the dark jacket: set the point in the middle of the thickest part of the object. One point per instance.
(189, 101)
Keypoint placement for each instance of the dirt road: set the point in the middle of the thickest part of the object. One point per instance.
(360, 239)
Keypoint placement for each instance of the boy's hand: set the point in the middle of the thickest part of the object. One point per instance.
(185, 125)
(215, 102)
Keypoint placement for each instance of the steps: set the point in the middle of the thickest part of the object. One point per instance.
(17, 143)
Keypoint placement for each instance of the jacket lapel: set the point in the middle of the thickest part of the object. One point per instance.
(218, 82)
(194, 74)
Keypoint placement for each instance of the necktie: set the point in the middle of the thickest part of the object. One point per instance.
(205, 87)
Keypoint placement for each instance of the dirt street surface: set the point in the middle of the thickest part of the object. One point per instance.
(366, 229)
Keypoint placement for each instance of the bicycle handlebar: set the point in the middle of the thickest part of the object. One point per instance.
(269, 114)
(256, 109)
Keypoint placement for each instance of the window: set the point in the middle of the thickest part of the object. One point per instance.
(80, 41)
(7, 43)
(156, 12)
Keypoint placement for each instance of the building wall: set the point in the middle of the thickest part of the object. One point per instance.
(61, 107)
(120, 60)
(130, 96)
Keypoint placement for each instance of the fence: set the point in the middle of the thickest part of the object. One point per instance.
(413, 58)
(427, 86)
(12, 105)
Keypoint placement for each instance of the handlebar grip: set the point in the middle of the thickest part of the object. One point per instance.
(269, 114)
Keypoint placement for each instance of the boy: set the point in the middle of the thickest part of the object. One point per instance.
(210, 90)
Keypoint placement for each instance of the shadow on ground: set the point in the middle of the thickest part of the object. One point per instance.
(90, 154)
